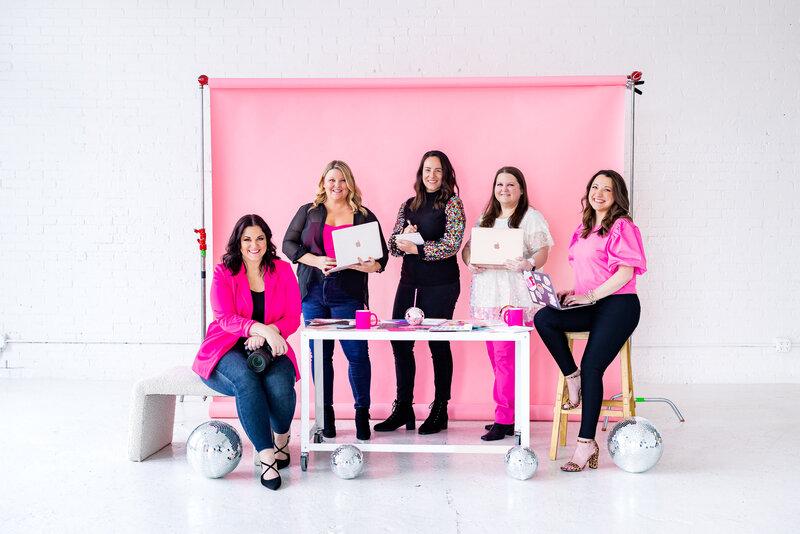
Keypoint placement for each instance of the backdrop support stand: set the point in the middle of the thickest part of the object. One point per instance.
(203, 80)
(634, 80)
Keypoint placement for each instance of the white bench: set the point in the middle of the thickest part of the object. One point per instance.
(152, 416)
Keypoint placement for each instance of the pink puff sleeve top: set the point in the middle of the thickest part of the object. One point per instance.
(596, 258)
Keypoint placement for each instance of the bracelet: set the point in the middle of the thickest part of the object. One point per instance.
(591, 297)
(532, 263)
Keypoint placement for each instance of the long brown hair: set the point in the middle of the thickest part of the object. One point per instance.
(449, 186)
(493, 209)
(620, 208)
(353, 193)
(232, 259)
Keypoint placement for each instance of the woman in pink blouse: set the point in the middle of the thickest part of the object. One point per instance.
(256, 304)
(606, 254)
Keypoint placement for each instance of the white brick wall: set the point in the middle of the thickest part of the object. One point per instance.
(99, 158)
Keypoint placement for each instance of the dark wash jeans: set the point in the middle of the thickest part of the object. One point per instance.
(329, 301)
(264, 402)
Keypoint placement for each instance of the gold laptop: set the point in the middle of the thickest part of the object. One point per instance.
(493, 246)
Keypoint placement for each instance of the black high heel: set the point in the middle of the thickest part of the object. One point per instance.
(282, 462)
(509, 432)
(270, 483)
(498, 431)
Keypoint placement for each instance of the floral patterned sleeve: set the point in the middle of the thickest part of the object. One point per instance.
(450, 242)
(399, 224)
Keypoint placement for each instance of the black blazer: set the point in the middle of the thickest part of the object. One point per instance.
(304, 236)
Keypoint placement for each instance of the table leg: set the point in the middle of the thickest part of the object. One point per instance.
(522, 389)
(318, 386)
(305, 356)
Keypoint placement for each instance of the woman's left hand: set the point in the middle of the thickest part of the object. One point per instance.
(254, 342)
(406, 246)
(276, 342)
(366, 266)
(517, 264)
(574, 300)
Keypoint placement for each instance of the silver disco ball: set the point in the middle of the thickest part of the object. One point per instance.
(521, 462)
(214, 449)
(347, 461)
(414, 316)
(635, 444)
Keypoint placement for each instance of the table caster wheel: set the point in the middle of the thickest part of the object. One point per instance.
(517, 438)
(304, 461)
(317, 437)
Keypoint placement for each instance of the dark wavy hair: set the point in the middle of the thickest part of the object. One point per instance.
(620, 208)
(449, 186)
(232, 259)
(493, 209)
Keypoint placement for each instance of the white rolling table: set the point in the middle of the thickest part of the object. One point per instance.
(311, 436)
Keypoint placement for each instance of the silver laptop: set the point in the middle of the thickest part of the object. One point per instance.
(359, 241)
(543, 292)
(493, 246)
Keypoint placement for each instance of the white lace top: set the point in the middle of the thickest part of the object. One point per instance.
(495, 288)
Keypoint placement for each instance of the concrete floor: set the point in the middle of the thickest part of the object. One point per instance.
(729, 468)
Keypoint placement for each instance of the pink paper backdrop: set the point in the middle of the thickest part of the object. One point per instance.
(270, 140)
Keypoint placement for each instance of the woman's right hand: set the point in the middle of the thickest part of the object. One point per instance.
(324, 264)
(410, 229)
(475, 269)
(565, 293)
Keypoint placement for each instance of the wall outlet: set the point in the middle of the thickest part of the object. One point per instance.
(782, 344)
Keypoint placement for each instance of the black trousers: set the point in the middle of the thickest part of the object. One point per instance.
(610, 323)
(437, 302)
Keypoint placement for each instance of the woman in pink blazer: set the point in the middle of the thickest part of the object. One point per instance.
(256, 304)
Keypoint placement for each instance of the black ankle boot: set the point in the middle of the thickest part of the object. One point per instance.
(362, 424)
(329, 426)
(437, 420)
(402, 414)
(498, 431)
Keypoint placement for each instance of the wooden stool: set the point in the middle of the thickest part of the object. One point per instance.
(624, 407)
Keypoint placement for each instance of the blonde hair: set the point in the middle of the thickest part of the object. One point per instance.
(353, 193)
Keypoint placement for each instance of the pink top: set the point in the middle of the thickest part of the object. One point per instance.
(327, 238)
(232, 304)
(596, 258)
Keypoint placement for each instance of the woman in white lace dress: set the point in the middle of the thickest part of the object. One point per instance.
(496, 288)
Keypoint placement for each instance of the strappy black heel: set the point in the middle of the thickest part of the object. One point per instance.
(282, 450)
(270, 483)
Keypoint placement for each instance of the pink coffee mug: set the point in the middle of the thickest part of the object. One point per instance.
(365, 319)
(513, 316)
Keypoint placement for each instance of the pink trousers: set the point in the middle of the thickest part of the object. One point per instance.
(501, 354)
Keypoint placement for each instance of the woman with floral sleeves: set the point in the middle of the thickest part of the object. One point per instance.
(429, 278)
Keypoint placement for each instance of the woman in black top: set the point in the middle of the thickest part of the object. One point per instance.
(430, 277)
(339, 294)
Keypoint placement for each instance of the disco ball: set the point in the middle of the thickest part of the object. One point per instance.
(347, 461)
(635, 445)
(414, 316)
(521, 462)
(214, 449)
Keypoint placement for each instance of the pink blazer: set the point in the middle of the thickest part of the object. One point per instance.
(232, 304)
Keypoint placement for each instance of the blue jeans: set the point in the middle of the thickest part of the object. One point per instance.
(329, 301)
(264, 402)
